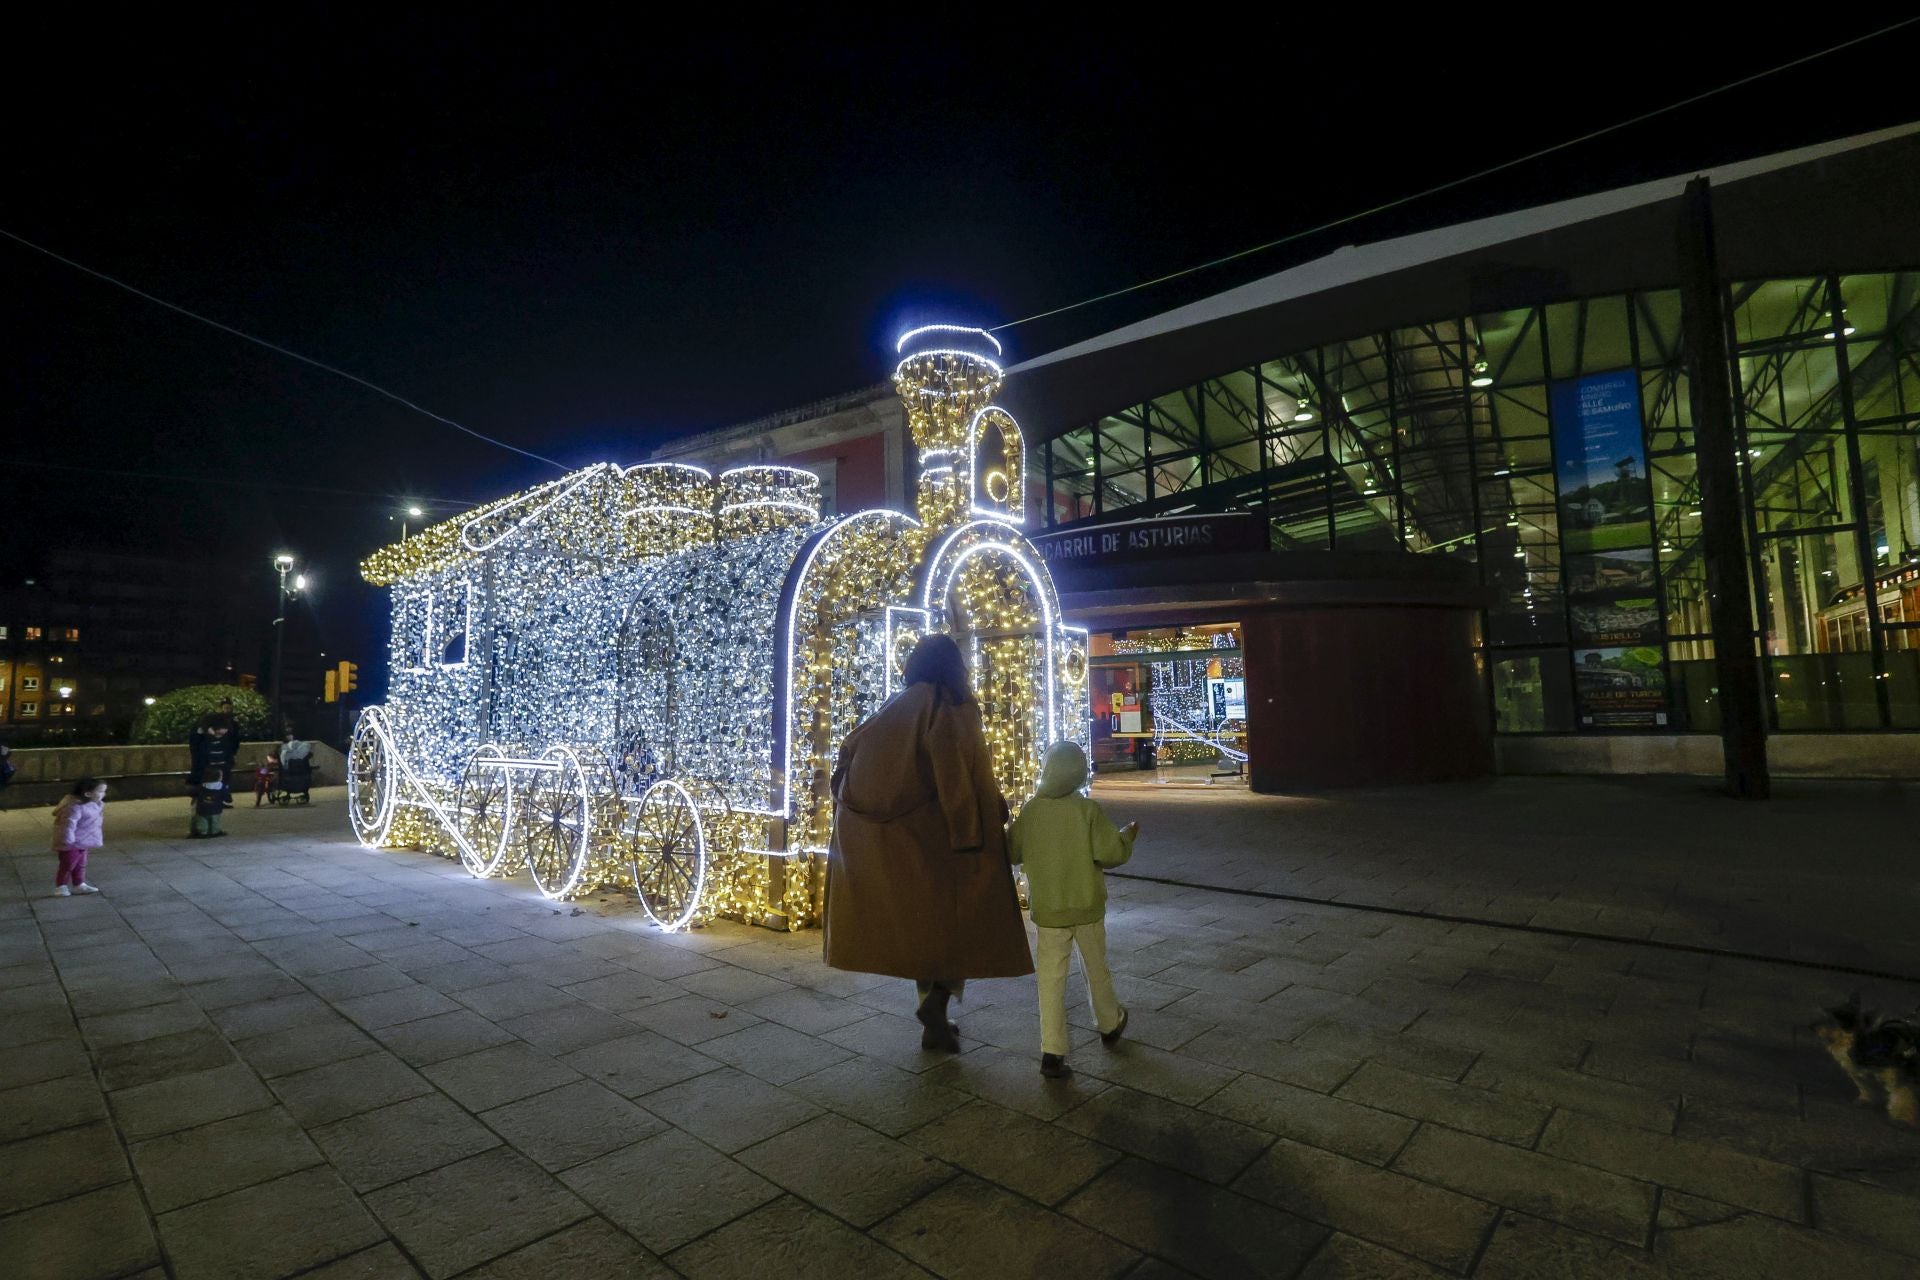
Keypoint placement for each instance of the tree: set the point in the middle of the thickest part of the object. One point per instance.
(172, 716)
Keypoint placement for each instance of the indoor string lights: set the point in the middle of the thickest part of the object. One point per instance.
(638, 678)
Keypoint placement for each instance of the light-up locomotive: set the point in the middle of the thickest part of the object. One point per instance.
(637, 677)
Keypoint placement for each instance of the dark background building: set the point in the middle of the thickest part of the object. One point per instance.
(112, 630)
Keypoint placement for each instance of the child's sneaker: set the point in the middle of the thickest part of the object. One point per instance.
(61, 891)
(84, 887)
(1054, 1067)
(1112, 1038)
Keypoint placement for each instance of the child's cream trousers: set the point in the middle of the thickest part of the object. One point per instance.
(1052, 956)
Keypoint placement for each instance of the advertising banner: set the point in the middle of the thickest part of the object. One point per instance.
(1606, 535)
(1615, 622)
(1619, 688)
(1601, 463)
(1227, 698)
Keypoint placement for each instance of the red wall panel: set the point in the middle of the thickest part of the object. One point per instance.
(860, 472)
(1355, 695)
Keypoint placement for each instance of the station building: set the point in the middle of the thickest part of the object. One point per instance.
(1431, 507)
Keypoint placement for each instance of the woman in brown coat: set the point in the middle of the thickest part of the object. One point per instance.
(918, 883)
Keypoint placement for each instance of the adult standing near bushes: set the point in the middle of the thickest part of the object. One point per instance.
(223, 716)
(212, 746)
(918, 882)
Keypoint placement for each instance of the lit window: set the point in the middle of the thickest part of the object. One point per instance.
(71, 635)
(28, 710)
(29, 684)
(33, 633)
(412, 628)
(3, 633)
(452, 618)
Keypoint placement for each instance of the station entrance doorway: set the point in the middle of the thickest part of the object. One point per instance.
(1170, 703)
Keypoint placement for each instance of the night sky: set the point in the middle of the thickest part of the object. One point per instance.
(585, 236)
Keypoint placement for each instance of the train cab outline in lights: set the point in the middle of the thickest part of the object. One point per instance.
(999, 466)
(659, 662)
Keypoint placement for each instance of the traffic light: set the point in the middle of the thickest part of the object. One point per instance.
(332, 694)
(349, 678)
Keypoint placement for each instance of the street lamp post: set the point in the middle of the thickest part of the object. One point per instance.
(283, 564)
(411, 513)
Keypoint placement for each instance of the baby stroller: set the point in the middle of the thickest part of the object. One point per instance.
(293, 782)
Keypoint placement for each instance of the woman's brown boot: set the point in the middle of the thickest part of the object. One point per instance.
(932, 1013)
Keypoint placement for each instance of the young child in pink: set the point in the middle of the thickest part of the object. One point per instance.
(76, 829)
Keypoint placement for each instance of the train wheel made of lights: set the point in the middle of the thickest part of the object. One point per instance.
(670, 870)
(371, 779)
(557, 824)
(485, 812)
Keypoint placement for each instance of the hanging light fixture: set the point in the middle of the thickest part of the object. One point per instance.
(1303, 407)
(1844, 329)
(1482, 376)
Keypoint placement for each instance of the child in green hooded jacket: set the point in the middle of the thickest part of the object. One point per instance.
(1065, 841)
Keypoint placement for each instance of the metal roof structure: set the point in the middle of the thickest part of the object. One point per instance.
(1850, 201)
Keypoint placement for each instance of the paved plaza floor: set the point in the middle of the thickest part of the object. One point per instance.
(1518, 1029)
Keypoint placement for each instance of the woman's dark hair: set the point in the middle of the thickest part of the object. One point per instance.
(83, 786)
(936, 661)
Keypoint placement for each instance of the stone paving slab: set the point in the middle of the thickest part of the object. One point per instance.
(1016, 1151)
(284, 1055)
(462, 1214)
(846, 1168)
(1198, 1226)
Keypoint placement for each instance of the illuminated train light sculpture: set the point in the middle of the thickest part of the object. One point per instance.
(638, 677)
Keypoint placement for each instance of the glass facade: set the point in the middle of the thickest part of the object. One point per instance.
(1552, 447)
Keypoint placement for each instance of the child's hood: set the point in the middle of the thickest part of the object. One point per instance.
(1063, 770)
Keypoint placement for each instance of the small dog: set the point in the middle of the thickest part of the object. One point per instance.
(1872, 1050)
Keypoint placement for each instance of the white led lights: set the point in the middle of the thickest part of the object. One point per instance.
(971, 332)
(638, 677)
(951, 355)
(1185, 726)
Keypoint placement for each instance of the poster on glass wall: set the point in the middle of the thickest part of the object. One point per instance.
(1605, 622)
(1600, 462)
(1227, 698)
(1627, 569)
(1606, 535)
(1620, 688)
